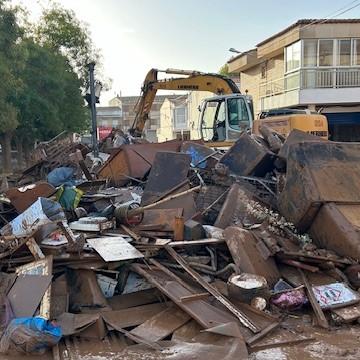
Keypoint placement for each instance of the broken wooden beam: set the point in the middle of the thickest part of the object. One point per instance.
(320, 316)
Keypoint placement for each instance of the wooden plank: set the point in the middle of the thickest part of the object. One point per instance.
(322, 321)
(35, 249)
(161, 325)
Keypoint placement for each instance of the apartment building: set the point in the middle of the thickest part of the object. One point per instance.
(312, 64)
(174, 123)
(127, 105)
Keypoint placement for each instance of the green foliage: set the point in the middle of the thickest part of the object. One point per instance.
(224, 70)
(10, 63)
(60, 30)
(50, 100)
(42, 72)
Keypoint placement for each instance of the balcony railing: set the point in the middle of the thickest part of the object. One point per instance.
(312, 78)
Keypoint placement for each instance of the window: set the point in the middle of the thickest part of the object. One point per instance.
(182, 135)
(310, 53)
(344, 52)
(180, 116)
(326, 52)
(356, 51)
(238, 114)
(263, 71)
(209, 119)
(220, 117)
(292, 56)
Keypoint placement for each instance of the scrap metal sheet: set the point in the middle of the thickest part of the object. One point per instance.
(162, 324)
(26, 294)
(203, 312)
(168, 171)
(114, 249)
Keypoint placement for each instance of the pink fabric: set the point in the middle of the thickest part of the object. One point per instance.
(290, 300)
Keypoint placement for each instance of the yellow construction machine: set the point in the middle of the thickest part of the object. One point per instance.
(222, 117)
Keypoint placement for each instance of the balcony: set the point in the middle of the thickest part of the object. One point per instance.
(336, 85)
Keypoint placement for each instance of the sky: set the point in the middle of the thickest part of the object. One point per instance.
(136, 35)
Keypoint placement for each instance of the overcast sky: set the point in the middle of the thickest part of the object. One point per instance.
(136, 35)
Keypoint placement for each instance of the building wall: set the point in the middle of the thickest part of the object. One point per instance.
(127, 104)
(268, 70)
(169, 128)
(165, 130)
(115, 102)
(319, 88)
(109, 116)
(329, 31)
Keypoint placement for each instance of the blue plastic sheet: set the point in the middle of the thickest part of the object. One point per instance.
(196, 157)
(30, 335)
(61, 176)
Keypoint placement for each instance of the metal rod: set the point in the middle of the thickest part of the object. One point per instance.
(140, 210)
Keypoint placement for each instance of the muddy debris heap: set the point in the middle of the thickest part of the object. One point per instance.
(178, 250)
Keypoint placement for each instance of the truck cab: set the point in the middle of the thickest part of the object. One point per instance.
(223, 118)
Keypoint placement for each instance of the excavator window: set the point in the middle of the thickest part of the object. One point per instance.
(238, 114)
(208, 118)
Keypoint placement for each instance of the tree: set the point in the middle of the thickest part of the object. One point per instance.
(42, 72)
(60, 30)
(50, 100)
(10, 64)
(224, 70)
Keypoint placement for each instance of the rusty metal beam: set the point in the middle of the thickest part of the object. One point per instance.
(244, 320)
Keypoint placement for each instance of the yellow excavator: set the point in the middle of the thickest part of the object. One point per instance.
(223, 117)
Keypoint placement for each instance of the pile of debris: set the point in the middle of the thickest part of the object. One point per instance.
(175, 250)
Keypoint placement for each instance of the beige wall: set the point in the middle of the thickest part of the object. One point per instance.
(165, 131)
(331, 31)
(250, 79)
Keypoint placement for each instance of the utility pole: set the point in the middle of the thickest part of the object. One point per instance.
(92, 104)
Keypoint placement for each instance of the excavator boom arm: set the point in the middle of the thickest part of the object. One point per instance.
(196, 81)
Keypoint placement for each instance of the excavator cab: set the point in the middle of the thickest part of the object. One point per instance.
(223, 118)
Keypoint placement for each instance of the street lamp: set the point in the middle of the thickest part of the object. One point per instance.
(92, 97)
(234, 51)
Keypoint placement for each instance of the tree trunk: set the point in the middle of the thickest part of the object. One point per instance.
(27, 152)
(5, 140)
(20, 153)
